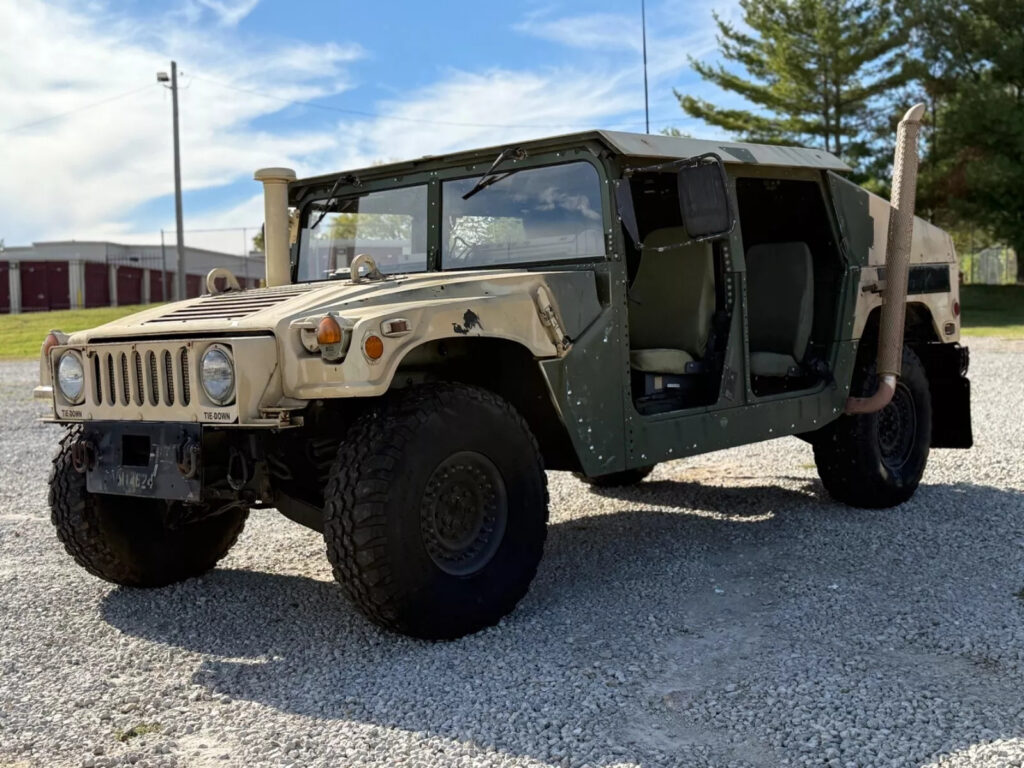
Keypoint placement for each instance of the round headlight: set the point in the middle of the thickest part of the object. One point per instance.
(217, 374)
(71, 377)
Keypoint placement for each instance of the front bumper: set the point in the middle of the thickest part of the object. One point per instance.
(158, 461)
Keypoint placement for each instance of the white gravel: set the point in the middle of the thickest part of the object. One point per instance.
(723, 613)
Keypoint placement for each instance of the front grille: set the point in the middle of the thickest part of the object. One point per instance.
(231, 306)
(156, 377)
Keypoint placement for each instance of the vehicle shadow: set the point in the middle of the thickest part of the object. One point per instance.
(655, 615)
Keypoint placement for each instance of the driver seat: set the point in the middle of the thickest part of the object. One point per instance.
(671, 302)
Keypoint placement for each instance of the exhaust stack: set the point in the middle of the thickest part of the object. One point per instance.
(276, 249)
(897, 265)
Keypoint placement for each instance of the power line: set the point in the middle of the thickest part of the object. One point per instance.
(82, 108)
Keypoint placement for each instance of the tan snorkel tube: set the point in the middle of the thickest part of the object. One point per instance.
(897, 265)
(276, 239)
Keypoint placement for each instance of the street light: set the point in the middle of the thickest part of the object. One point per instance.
(162, 77)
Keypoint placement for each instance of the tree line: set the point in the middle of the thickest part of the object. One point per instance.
(838, 74)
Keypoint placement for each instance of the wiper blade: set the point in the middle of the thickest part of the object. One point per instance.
(517, 153)
(348, 178)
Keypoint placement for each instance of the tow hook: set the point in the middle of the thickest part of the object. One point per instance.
(188, 458)
(83, 456)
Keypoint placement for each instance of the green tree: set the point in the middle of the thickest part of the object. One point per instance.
(973, 51)
(257, 241)
(818, 72)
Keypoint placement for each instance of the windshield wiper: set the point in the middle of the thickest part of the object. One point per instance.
(489, 178)
(348, 178)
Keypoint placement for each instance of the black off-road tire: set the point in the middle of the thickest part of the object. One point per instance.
(616, 479)
(413, 521)
(876, 460)
(125, 539)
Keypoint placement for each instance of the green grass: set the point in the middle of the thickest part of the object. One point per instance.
(22, 335)
(993, 310)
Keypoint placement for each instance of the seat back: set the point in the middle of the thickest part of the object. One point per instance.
(780, 298)
(672, 298)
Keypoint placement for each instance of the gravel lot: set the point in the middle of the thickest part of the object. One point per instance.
(723, 613)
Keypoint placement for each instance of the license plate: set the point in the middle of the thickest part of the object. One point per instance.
(150, 460)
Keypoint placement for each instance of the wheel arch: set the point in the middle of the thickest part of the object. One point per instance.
(505, 367)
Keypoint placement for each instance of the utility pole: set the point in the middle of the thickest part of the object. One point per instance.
(163, 268)
(161, 77)
(643, 32)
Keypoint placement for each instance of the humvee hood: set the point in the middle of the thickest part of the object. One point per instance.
(267, 309)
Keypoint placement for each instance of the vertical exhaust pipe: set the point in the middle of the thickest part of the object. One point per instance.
(276, 251)
(897, 266)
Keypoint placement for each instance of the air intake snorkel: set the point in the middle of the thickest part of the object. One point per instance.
(897, 265)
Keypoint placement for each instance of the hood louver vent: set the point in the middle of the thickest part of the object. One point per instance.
(230, 306)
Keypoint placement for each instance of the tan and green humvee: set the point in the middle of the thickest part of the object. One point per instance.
(434, 334)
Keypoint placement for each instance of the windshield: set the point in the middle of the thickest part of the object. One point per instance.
(533, 215)
(389, 225)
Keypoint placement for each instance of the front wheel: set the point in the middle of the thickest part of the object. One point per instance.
(436, 511)
(876, 460)
(131, 541)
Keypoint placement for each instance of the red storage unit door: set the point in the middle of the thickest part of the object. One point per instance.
(97, 285)
(57, 285)
(5, 287)
(193, 285)
(129, 285)
(44, 285)
(156, 286)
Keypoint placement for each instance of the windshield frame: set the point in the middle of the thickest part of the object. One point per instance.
(306, 195)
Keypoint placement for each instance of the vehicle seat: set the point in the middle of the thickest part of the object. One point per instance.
(672, 300)
(780, 303)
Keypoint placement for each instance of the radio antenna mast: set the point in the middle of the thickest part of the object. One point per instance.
(643, 32)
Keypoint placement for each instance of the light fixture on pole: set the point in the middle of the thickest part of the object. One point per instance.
(162, 77)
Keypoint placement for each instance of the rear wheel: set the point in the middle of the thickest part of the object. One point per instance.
(616, 479)
(436, 511)
(131, 541)
(876, 460)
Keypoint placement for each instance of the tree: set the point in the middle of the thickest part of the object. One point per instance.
(974, 80)
(257, 241)
(818, 70)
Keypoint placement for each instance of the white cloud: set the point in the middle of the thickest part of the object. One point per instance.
(230, 13)
(601, 31)
(84, 172)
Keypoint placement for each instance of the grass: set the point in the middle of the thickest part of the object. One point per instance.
(22, 335)
(993, 310)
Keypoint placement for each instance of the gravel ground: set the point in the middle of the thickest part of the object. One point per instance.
(723, 613)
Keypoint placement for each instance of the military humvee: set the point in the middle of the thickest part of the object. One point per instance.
(434, 334)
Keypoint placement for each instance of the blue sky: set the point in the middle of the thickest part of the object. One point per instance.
(384, 81)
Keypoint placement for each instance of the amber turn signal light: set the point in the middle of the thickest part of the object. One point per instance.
(328, 331)
(373, 347)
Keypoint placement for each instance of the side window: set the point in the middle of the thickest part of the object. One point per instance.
(533, 215)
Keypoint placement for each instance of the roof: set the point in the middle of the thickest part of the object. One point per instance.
(659, 146)
(639, 145)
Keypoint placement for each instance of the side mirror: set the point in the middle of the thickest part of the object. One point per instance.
(704, 198)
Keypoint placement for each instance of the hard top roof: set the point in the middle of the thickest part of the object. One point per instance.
(638, 145)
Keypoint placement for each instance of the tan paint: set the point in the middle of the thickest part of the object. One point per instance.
(276, 233)
(282, 374)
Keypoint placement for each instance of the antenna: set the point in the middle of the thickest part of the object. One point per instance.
(643, 32)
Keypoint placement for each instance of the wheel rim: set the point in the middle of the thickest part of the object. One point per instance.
(897, 428)
(464, 513)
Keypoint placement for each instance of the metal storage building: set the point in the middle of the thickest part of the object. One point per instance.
(76, 274)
